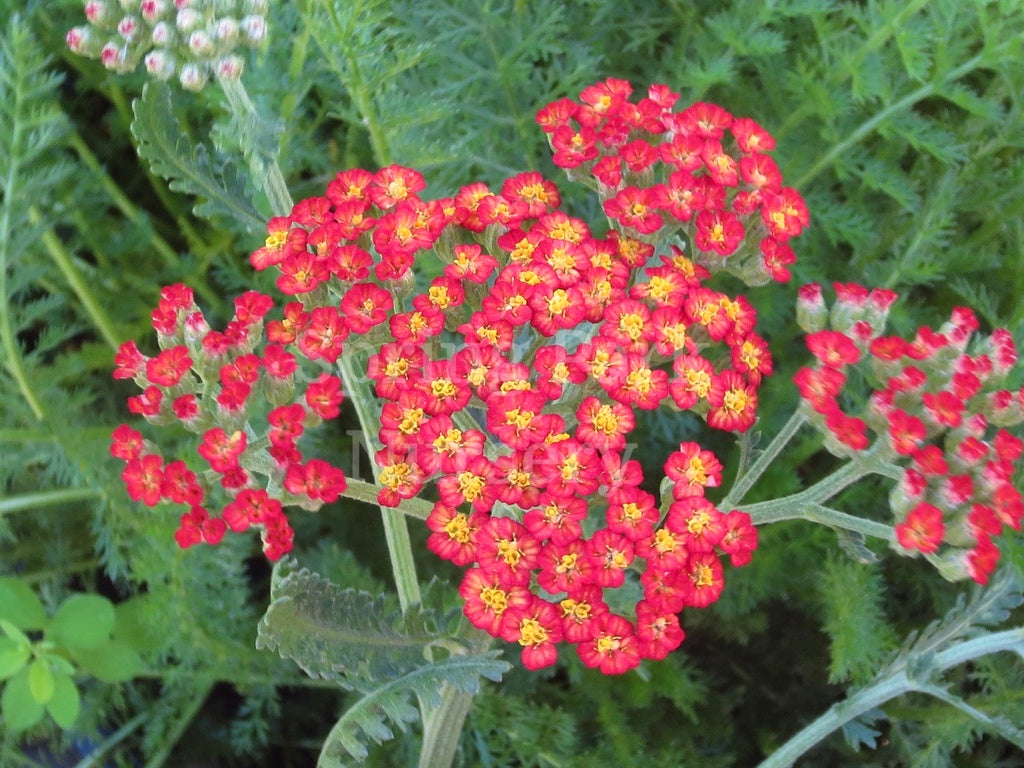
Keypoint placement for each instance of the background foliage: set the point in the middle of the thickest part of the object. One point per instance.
(901, 122)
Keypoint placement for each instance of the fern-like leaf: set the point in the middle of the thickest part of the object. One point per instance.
(854, 620)
(390, 703)
(346, 635)
(188, 168)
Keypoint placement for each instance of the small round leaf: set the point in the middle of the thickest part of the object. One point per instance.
(112, 662)
(40, 680)
(19, 706)
(82, 621)
(19, 604)
(64, 705)
(13, 656)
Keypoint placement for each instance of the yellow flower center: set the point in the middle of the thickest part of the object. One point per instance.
(410, 423)
(735, 400)
(702, 576)
(639, 381)
(439, 296)
(495, 599)
(608, 644)
(276, 239)
(577, 610)
(699, 382)
(458, 529)
(394, 476)
(470, 485)
(698, 523)
(567, 563)
(508, 550)
(532, 633)
(397, 367)
(605, 420)
(664, 541)
(632, 325)
(449, 442)
(442, 388)
(559, 302)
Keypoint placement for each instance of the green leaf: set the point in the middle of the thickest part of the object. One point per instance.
(14, 633)
(40, 680)
(13, 656)
(19, 604)
(112, 662)
(65, 703)
(19, 706)
(187, 167)
(369, 717)
(345, 635)
(82, 621)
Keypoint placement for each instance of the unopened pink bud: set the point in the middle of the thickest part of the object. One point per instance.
(127, 27)
(112, 55)
(225, 31)
(191, 77)
(78, 39)
(162, 34)
(188, 20)
(254, 28)
(200, 43)
(96, 11)
(159, 64)
(152, 10)
(230, 67)
(811, 312)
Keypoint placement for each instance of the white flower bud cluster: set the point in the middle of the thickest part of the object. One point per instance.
(193, 39)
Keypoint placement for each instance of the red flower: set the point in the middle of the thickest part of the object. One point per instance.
(740, 538)
(922, 530)
(452, 533)
(613, 646)
(658, 630)
(718, 231)
(364, 306)
(733, 403)
(143, 479)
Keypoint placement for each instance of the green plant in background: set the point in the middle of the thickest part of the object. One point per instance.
(79, 639)
(876, 112)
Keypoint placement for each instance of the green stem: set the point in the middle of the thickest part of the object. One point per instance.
(67, 268)
(889, 687)
(360, 490)
(266, 171)
(96, 755)
(746, 481)
(807, 504)
(356, 85)
(443, 726)
(395, 531)
(180, 727)
(28, 501)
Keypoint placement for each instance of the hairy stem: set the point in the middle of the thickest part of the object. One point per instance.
(746, 481)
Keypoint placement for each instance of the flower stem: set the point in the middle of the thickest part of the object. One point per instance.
(807, 504)
(894, 684)
(443, 726)
(395, 531)
(746, 481)
(28, 501)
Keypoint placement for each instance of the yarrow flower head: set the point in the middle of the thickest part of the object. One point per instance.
(939, 410)
(509, 382)
(193, 39)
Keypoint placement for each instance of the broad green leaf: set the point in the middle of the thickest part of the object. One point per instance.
(187, 167)
(13, 656)
(82, 621)
(64, 704)
(40, 680)
(112, 662)
(19, 604)
(19, 706)
(14, 633)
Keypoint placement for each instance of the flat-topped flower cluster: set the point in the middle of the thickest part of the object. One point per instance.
(938, 409)
(508, 346)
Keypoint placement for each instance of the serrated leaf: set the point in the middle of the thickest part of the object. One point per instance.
(369, 718)
(188, 167)
(19, 706)
(860, 732)
(65, 702)
(112, 662)
(82, 621)
(345, 635)
(19, 604)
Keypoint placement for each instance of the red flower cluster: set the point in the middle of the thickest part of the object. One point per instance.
(510, 380)
(940, 411)
(206, 379)
(718, 184)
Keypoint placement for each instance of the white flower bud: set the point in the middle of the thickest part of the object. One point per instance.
(78, 39)
(192, 78)
(225, 31)
(230, 67)
(96, 11)
(200, 43)
(127, 27)
(163, 34)
(188, 20)
(159, 64)
(152, 10)
(254, 28)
